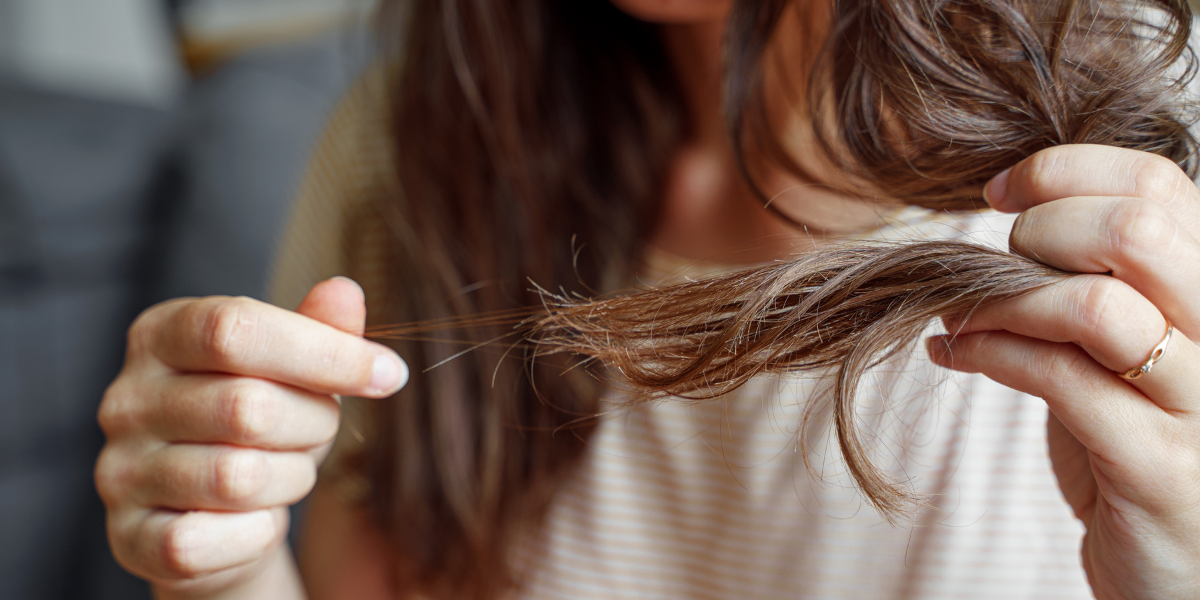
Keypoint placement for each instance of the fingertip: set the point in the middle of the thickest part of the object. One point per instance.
(389, 373)
(346, 281)
(952, 324)
(339, 302)
(996, 191)
(937, 347)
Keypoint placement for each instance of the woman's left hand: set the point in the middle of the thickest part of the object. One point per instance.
(1126, 452)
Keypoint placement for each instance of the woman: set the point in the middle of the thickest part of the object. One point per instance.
(584, 145)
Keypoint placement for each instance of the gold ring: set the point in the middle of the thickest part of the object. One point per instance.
(1155, 355)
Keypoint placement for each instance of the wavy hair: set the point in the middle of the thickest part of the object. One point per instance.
(532, 142)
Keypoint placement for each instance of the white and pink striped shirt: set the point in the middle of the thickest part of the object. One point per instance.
(713, 500)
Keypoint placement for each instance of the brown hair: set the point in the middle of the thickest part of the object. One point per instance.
(532, 139)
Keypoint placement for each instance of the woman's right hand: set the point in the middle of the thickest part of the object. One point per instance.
(223, 412)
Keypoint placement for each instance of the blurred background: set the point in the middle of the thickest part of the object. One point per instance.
(148, 149)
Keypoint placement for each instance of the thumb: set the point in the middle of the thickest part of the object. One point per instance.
(340, 303)
(337, 302)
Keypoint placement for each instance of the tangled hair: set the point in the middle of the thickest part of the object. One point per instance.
(532, 141)
(842, 309)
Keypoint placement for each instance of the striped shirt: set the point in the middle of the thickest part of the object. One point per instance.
(714, 500)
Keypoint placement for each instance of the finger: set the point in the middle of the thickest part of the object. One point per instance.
(246, 337)
(1091, 170)
(1109, 320)
(338, 302)
(1140, 453)
(1092, 402)
(166, 545)
(216, 477)
(1138, 241)
(245, 411)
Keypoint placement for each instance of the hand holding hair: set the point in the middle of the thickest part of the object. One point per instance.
(217, 423)
(1126, 452)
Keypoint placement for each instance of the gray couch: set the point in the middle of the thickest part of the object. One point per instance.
(105, 209)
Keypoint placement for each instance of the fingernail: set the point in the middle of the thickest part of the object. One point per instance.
(388, 374)
(996, 189)
(346, 279)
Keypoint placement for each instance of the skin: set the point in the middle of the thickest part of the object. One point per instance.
(218, 421)
(1126, 453)
(225, 407)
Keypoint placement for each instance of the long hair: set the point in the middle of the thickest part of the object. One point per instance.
(532, 139)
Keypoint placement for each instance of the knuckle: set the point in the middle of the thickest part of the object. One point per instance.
(239, 476)
(1042, 170)
(249, 411)
(227, 330)
(1101, 297)
(115, 415)
(180, 540)
(1156, 177)
(1140, 230)
(111, 475)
